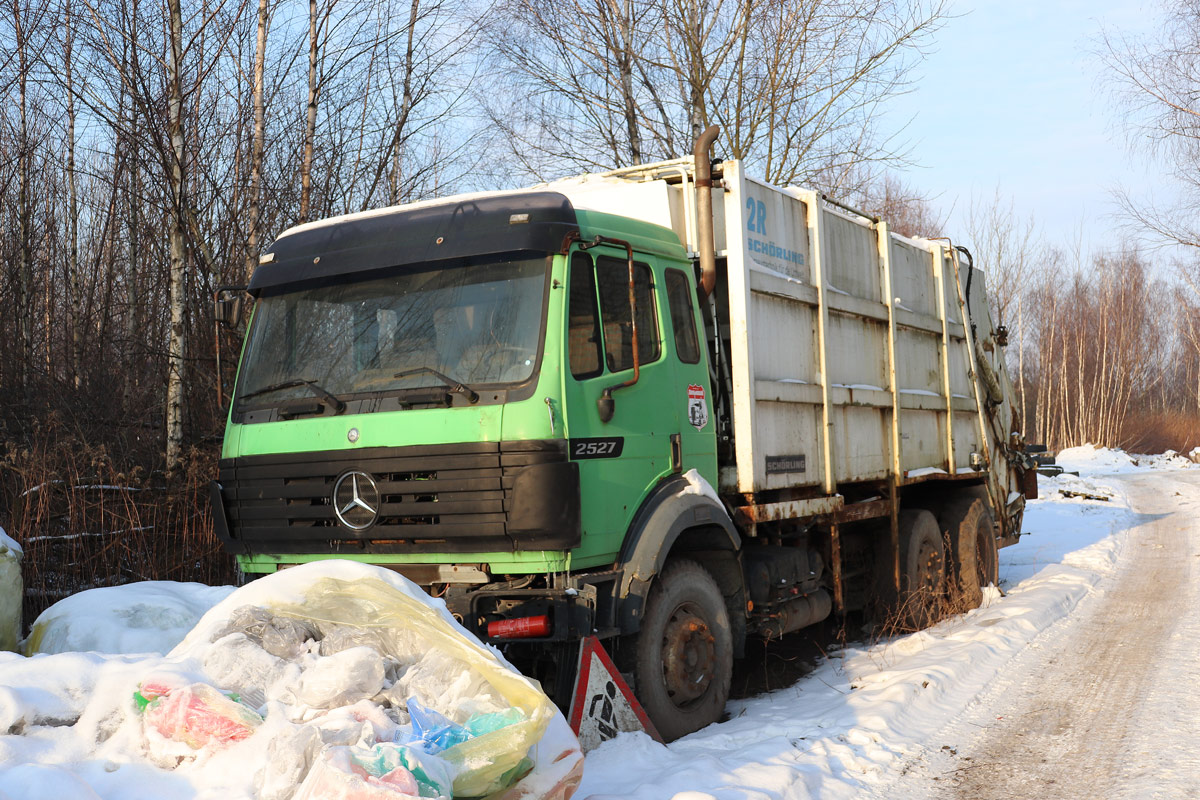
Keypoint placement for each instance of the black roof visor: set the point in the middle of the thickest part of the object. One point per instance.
(523, 221)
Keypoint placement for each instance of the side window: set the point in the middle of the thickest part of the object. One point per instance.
(614, 308)
(583, 324)
(683, 321)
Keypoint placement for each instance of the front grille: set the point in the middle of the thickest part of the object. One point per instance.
(434, 498)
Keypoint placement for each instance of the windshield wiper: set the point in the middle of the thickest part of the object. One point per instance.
(338, 405)
(455, 387)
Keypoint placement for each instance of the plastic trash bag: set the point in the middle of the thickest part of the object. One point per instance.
(342, 678)
(282, 637)
(409, 630)
(11, 594)
(197, 715)
(339, 775)
(432, 730)
(501, 737)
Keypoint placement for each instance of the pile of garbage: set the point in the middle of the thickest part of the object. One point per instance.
(363, 688)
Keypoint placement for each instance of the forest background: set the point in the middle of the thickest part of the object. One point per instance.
(150, 149)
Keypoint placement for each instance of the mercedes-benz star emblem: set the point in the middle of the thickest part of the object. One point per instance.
(356, 500)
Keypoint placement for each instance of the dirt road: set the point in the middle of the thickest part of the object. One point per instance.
(1106, 703)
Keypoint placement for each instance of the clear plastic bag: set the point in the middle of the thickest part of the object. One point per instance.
(408, 631)
(337, 775)
(517, 746)
(342, 678)
(197, 715)
(283, 637)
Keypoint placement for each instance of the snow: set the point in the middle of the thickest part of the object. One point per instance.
(145, 617)
(859, 386)
(698, 485)
(756, 267)
(923, 471)
(1091, 460)
(68, 729)
(844, 730)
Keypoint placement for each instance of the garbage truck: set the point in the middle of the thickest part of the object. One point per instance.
(671, 406)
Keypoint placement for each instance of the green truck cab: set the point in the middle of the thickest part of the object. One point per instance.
(427, 389)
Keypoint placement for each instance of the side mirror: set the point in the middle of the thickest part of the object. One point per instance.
(228, 310)
(228, 304)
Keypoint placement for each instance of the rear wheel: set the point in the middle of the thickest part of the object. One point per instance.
(974, 562)
(922, 569)
(684, 656)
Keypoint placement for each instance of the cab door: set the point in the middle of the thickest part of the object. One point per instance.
(619, 460)
(698, 445)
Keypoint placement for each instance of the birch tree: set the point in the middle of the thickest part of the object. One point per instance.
(258, 140)
(795, 85)
(1157, 82)
(152, 90)
(1007, 247)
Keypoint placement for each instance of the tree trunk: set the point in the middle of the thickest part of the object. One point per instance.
(74, 279)
(256, 148)
(24, 206)
(310, 125)
(176, 233)
(625, 67)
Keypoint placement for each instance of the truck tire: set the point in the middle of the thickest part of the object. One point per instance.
(684, 653)
(922, 570)
(974, 560)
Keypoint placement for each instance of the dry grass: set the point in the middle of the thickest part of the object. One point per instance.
(86, 521)
(1157, 433)
(919, 610)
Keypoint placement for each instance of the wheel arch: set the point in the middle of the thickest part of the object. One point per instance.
(674, 521)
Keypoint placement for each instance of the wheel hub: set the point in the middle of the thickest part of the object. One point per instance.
(689, 656)
(929, 577)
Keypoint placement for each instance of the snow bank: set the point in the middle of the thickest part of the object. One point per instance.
(146, 617)
(1091, 460)
(329, 680)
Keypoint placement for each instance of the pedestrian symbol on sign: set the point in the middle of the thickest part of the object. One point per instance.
(604, 720)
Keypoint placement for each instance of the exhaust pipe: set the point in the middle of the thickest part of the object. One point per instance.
(707, 240)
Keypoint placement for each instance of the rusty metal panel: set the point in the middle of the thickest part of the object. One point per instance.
(790, 509)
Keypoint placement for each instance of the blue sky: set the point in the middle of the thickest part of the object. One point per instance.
(1013, 97)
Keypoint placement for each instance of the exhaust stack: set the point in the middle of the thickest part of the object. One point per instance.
(706, 239)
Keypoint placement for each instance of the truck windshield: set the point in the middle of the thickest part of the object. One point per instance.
(479, 324)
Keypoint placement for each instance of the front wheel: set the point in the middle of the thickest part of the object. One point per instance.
(684, 656)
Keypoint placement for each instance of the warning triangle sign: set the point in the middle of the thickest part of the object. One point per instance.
(603, 704)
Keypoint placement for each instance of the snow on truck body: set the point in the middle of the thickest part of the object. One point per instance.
(535, 405)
